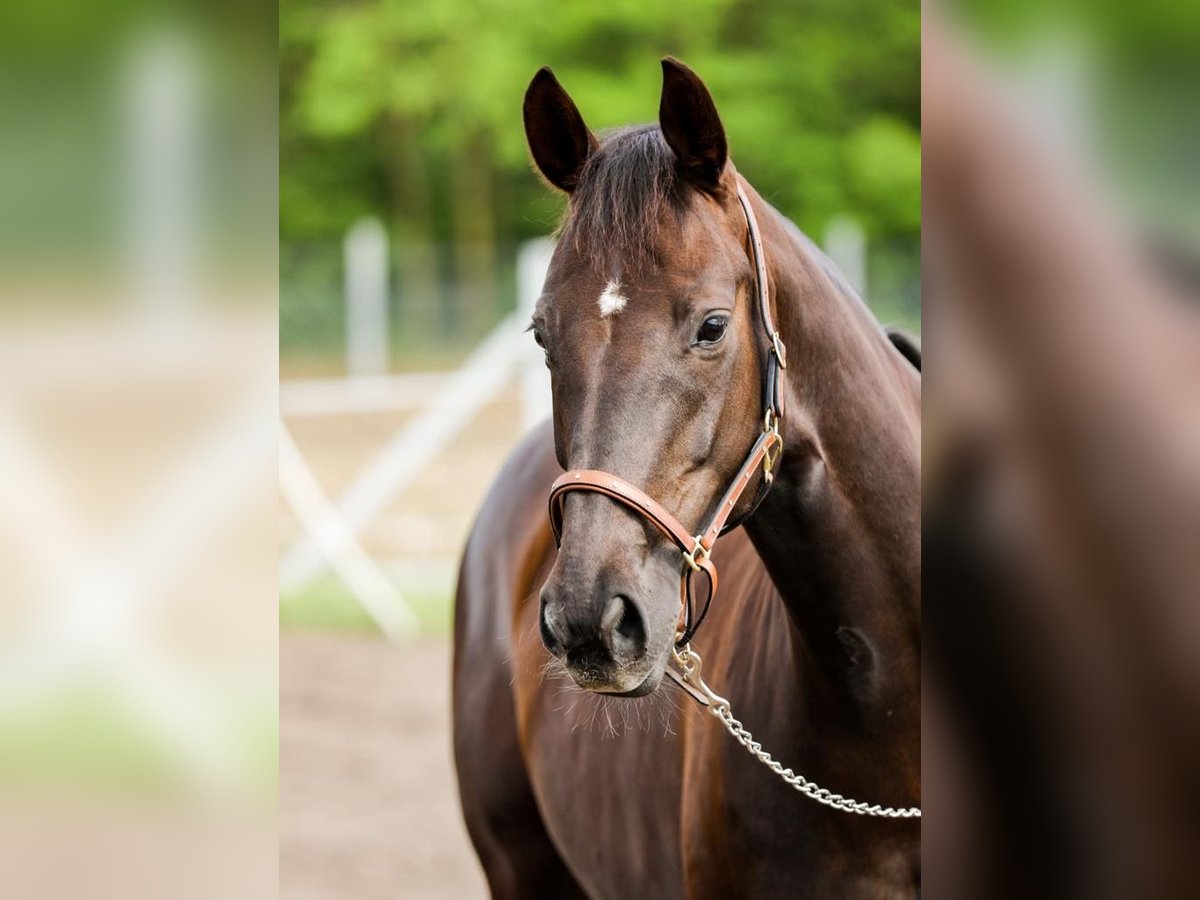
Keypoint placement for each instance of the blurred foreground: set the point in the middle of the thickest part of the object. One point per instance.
(138, 410)
(1062, 479)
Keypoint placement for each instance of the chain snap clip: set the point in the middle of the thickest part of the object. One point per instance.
(688, 662)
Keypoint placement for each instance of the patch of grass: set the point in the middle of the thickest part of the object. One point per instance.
(83, 739)
(88, 739)
(328, 604)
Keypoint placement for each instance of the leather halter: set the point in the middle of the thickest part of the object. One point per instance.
(767, 449)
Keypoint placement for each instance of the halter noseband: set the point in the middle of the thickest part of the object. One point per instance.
(765, 452)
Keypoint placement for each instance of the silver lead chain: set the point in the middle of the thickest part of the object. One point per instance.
(808, 788)
(688, 661)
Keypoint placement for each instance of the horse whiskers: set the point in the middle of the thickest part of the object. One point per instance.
(613, 716)
(554, 668)
(529, 631)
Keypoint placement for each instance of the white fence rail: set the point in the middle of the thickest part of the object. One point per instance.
(328, 531)
(485, 373)
(357, 395)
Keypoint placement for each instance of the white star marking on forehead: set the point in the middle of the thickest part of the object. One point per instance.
(611, 299)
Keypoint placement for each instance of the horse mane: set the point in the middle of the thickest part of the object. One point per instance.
(909, 346)
(625, 188)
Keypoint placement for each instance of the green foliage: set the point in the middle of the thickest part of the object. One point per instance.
(883, 162)
(327, 605)
(386, 103)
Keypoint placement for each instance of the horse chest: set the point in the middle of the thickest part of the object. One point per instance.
(609, 795)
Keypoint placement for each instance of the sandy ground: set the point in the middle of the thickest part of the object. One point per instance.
(368, 806)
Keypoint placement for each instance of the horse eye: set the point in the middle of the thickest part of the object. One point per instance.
(712, 329)
(540, 341)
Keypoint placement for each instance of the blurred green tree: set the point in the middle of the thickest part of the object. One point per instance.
(411, 111)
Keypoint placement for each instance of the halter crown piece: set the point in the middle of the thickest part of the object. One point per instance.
(696, 548)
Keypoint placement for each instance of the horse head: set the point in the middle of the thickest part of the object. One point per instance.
(648, 324)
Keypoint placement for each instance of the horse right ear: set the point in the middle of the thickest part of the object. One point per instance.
(558, 139)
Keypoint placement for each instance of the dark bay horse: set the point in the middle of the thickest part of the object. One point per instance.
(582, 771)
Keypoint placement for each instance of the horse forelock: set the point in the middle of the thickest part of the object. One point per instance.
(627, 189)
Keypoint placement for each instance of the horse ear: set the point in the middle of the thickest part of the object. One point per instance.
(558, 139)
(690, 124)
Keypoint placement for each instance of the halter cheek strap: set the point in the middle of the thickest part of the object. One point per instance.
(696, 548)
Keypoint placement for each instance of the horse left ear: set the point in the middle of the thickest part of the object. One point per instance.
(689, 121)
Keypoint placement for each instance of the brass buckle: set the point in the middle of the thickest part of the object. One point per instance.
(771, 456)
(778, 349)
(697, 551)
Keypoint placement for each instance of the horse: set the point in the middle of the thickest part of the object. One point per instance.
(583, 769)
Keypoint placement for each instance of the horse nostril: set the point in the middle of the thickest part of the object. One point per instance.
(622, 628)
(546, 625)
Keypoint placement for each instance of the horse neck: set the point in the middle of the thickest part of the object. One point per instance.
(839, 531)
